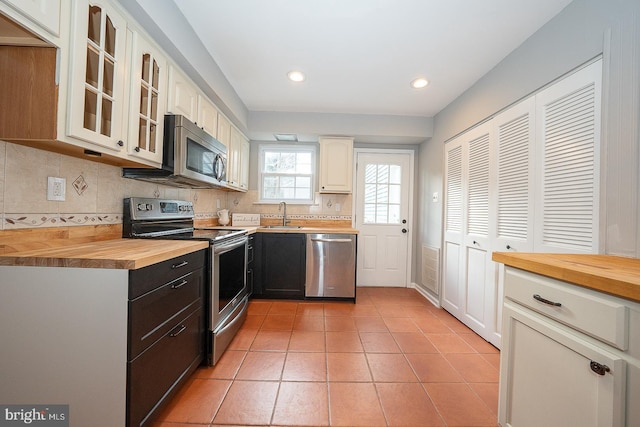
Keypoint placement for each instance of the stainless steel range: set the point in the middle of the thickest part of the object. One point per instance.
(228, 293)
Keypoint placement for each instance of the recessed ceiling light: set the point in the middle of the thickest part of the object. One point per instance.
(296, 76)
(419, 83)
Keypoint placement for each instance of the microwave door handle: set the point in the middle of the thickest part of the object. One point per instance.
(219, 167)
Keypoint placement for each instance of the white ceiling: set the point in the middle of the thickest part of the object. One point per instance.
(360, 55)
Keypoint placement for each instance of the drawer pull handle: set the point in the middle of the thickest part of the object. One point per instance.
(546, 301)
(598, 368)
(181, 330)
(181, 264)
(179, 285)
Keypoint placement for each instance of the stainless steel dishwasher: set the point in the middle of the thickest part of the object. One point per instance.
(331, 266)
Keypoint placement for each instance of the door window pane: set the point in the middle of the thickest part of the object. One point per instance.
(382, 193)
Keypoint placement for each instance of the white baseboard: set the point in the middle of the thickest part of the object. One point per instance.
(428, 295)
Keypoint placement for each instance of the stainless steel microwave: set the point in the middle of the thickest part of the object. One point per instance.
(191, 158)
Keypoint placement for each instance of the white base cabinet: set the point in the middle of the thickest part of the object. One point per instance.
(556, 368)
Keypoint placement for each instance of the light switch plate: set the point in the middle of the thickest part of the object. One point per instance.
(56, 189)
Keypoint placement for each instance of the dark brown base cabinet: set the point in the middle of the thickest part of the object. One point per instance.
(279, 265)
(166, 333)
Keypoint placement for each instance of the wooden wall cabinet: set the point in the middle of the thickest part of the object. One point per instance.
(29, 101)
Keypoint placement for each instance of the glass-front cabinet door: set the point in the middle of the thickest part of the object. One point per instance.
(147, 102)
(97, 74)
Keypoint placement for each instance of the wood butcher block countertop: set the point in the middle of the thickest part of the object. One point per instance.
(127, 254)
(614, 275)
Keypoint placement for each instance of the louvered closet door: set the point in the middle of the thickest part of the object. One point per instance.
(568, 134)
(479, 283)
(512, 212)
(453, 222)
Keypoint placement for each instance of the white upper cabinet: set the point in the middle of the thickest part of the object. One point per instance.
(45, 13)
(148, 100)
(207, 116)
(224, 131)
(183, 95)
(336, 164)
(238, 161)
(245, 150)
(97, 75)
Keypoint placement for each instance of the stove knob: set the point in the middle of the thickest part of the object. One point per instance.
(149, 207)
(142, 206)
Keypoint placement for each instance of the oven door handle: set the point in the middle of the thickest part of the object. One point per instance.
(219, 248)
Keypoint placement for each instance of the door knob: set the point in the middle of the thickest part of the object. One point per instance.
(404, 230)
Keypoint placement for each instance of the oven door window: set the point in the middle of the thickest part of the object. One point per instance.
(232, 275)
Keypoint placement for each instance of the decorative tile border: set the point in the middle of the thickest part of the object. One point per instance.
(39, 220)
(42, 220)
(308, 217)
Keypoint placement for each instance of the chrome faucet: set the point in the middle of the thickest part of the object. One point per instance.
(284, 214)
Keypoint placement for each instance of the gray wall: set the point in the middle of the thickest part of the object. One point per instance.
(582, 31)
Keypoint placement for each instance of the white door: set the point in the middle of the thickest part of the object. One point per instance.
(453, 222)
(479, 289)
(568, 135)
(383, 217)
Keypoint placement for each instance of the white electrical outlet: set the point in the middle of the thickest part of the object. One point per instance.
(56, 189)
(435, 197)
(338, 207)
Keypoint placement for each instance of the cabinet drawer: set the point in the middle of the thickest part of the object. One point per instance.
(145, 279)
(155, 376)
(598, 316)
(153, 314)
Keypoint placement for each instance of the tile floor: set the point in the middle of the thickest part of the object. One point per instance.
(391, 359)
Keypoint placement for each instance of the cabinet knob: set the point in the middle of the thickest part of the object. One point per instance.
(404, 230)
(508, 246)
(120, 143)
(137, 149)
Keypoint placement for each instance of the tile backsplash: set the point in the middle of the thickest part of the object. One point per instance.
(96, 197)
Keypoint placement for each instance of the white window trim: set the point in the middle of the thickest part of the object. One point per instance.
(284, 147)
